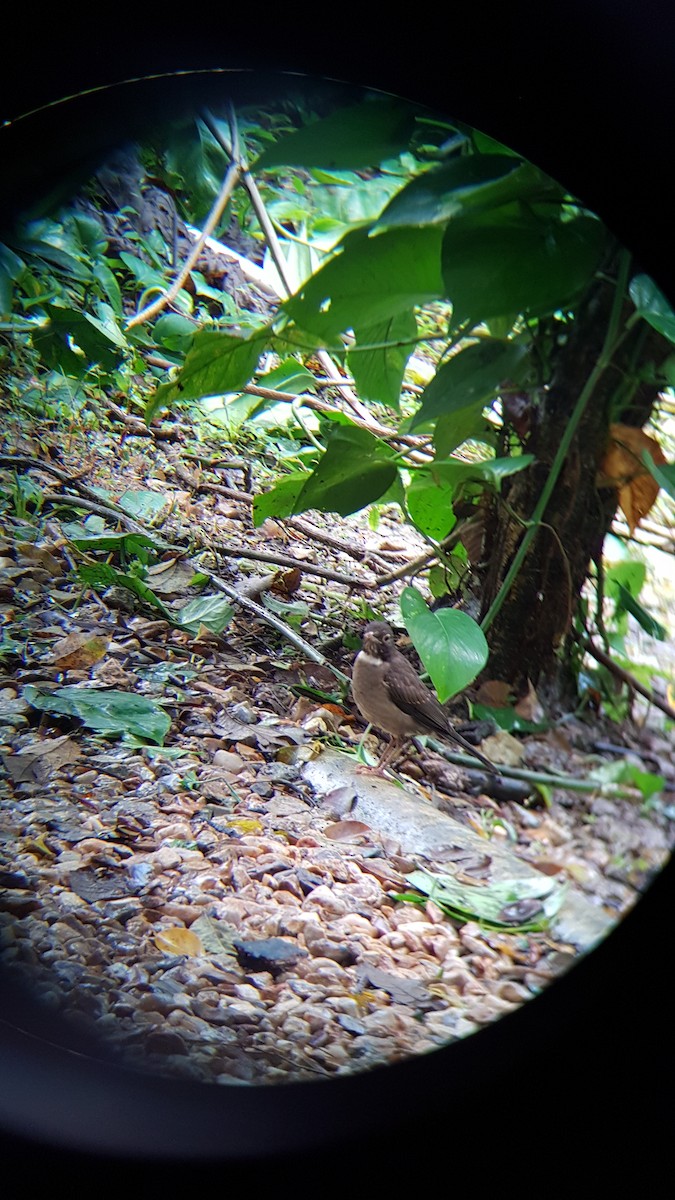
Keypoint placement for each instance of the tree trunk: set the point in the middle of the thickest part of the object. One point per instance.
(529, 636)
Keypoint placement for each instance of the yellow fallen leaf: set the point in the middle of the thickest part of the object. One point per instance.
(178, 940)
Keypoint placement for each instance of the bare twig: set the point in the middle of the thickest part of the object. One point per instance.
(229, 183)
(286, 560)
(289, 634)
(361, 554)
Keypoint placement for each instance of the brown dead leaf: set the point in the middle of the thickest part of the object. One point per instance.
(78, 651)
(285, 583)
(178, 940)
(346, 831)
(35, 763)
(622, 468)
(39, 556)
(495, 693)
(504, 748)
(529, 707)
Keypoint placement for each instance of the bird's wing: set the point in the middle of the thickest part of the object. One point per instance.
(407, 692)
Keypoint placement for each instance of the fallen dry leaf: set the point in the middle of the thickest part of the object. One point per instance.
(495, 693)
(504, 748)
(622, 468)
(529, 707)
(78, 651)
(35, 763)
(346, 831)
(178, 940)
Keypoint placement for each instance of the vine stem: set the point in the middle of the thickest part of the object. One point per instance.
(611, 342)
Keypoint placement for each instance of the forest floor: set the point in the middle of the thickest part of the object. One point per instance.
(224, 906)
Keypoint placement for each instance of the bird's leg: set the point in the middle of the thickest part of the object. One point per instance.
(390, 755)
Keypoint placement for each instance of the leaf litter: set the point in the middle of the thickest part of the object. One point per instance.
(174, 882)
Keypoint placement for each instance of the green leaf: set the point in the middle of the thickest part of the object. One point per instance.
(289, 376)
(627, 772)
(355, 470)
(664, 475)
(490, 471)
(429, 505)
(524, 264)
(455, 428)
(294, 611)
(174, 331)
(106, 712)
(11, 267)
(360, 136)
(653, 306)
(494, 904)
(378, 372)
(143, 504)
(99, 342)
(216, 364)
(280, 501)
(469, 379)
(130, 544)
(369, 281)
(464, 186)
(507, 718)
(627, 602)
(214, 612)
(450, 643)
(630, 575)
(102, 575)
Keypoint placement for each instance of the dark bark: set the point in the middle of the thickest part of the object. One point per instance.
(529, 636)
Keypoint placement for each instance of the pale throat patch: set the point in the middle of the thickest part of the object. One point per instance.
(370, 658)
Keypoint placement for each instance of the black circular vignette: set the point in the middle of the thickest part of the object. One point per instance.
(583, 1069)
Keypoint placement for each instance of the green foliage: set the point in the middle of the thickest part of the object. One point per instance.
(449, 642)
(519, 905)
(358, 136)
(106, 712)
(652, 305)
(463, 386)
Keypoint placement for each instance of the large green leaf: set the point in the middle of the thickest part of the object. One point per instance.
(356, 470)
(518, 264)
(449, 642)
(369, 281)
(213, 612)
(470, 378)
(378, 372)
(491, 471)
(216, 364)
(651, 304)
(464, 186)
(429, 505)
(359, 136)
(280, 501)
(11, 267)
(105, 711)
(100, 343)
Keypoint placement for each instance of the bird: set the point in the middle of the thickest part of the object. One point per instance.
(390, 695)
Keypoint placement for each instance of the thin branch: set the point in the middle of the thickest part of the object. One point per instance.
(275, 248)
(229, 183)
(285, 560)
(627, 678)
(569, 783)
(289, 634)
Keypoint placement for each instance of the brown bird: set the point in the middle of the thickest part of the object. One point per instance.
(390, 694)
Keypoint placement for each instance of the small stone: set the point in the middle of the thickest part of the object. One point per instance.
(228, 761)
